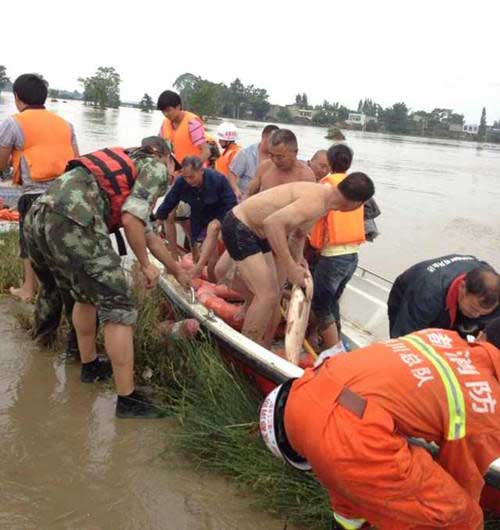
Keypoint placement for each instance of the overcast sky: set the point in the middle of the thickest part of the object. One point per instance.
(426, 53)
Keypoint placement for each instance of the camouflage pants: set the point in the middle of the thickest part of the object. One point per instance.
(77, 260)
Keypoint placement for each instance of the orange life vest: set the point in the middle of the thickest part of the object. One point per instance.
(47, 145)
(223, 162)
(338, 228)
(115, 173)
(180, 137)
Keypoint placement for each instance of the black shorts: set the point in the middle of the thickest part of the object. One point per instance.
(23, 207)
(239, 240)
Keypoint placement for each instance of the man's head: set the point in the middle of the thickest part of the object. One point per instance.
(283, 149)
(160, 148)
(340, 158)
(170, 104)
(29, 90)
(192, 171)
(319, 164)
(354, 191)
(226, 134)
(267, 131)
(479, 294)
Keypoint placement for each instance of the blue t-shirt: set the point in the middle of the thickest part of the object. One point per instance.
(212, 200)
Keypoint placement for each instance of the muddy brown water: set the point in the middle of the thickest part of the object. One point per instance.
(67, 463)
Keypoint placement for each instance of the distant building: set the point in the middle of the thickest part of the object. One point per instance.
(299, 112)
(470, 129)
(456, 127)
(356, 118)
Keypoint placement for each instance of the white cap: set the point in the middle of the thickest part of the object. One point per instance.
(227, 131)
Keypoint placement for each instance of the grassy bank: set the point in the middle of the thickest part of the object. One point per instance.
(216, 408)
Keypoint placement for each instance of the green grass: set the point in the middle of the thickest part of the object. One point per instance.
(11, 266)
(217, 410)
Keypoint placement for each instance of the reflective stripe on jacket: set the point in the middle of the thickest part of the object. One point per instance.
(338, 228)
(47, 145)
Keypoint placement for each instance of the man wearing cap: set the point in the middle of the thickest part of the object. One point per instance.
(67, 233)
(350, 419)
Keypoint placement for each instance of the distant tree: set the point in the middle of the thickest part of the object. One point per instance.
(146, 104)
(396, 119)
(305, 102)
(103, 88)
(237, 97)
(284, 116)
(257, 102)
(206, 99)
(298, 100)
(481, 131)
(4, 80)
(360, 105)
(187, 84)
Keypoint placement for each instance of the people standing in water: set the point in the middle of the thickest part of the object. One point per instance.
(262, 224)
(67, 234)
(336, 237)
(283, 166)
(246, 162)
(41, 143)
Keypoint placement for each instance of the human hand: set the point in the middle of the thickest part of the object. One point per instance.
(183, 278)
(194, 272)
(297, 274)
(151, 275)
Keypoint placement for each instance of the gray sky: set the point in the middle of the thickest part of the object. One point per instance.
(428, 54)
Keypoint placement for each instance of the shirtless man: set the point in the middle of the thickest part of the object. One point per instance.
(262, 223)
(283, 166)
(319, 164)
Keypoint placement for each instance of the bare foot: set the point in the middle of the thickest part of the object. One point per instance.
(24, 295)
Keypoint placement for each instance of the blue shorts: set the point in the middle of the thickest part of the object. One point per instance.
(331, 275)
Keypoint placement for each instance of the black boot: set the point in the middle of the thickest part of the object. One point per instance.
(97, 370)
(136, 405)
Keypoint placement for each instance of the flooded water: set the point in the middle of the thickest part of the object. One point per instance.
(437, 196)
(67, 463)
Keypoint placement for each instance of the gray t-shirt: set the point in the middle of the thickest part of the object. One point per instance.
(11, 135)
(244, 166)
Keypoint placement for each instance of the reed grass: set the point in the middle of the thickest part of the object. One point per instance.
(11, 266)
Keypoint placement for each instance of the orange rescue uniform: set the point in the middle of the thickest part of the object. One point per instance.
(367, 465)
(224, 161)
(47, 145)
(180, 136)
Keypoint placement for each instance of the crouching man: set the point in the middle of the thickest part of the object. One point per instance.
(349, 420)
(67, 233)
(210, 197)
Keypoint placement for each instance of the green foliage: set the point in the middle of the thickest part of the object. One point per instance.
(396, 119)
(330, 113)
(64, 94)
(146, 104)
(103, 88)
(11, 268)
(4, 80)
(284, 115)
(481, 132)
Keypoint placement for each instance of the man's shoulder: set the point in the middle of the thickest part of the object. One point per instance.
(305, 171)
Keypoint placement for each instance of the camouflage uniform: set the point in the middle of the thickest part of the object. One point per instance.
(69, 244)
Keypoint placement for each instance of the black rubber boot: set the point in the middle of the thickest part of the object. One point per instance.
(136, 405)
(97, 370)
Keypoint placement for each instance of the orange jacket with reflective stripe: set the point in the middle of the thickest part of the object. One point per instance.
(223, 162)
(47, 145)
(338, 228)
(180, 137)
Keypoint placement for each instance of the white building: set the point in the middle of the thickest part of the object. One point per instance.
(471, 129)
(356, 118)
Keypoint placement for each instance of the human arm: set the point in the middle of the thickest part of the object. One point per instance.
(5, 153)
(10, 138)
(171, 200)
(157, 247)
(233, 182)
(296, 242)
(197, 134)
(254, 186)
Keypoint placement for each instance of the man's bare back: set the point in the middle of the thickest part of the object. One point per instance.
(269, 176)
(307, 198)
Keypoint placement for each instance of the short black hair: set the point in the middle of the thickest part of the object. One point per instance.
(269, 129)
(339, 157)
(284, 136)
(357, 187)
(492, 330)
(484, 282)
(193, 162)
(31, 89)
(168, 98)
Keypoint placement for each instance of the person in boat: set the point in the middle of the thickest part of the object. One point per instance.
(336, 237)
(283, 166)
(457, 292)
(210, 197)
(319, 164)
(183, 129)
(227, 136)
(67, 235)
(214, 151)
(40, 143)
(244, 165)
(350, 418)
(261, 225)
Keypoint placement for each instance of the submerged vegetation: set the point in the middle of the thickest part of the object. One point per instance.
(216, 407)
